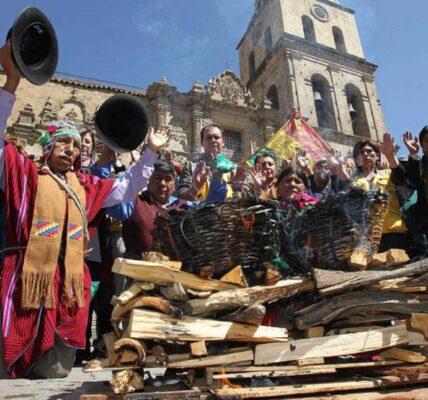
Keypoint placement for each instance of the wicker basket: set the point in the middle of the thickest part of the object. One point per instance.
(325, 234)
(221, 236)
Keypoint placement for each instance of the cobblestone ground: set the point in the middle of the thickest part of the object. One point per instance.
(52, 389)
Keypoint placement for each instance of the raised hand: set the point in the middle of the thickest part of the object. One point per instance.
(286, 164)
(13, 76)
(411, 143)
(387, 147)
(259, 178)
(302, 159)
(238, 177)
(159, 138)
(200, 175)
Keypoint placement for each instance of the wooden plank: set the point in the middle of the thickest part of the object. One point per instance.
(145, 324)
(233, 299)
(337, 386)
(403, 355)
(330, 282)
(309, 361)
(193, 394)
(320, 367)
(274, 374)
(331, 346)
(403, 394)
(162, 275)
(224, 359)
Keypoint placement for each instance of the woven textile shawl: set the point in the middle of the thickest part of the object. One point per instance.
(55, 215)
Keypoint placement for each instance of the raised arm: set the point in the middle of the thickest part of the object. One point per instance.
(127, 188)
(7, 98)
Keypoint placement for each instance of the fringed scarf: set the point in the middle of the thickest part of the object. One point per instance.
(58, 213)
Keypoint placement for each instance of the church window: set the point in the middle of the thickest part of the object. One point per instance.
(356, 110)
(272, 95)
(268, 41)
(252, 64)
(308, 29)
(232, 145)
(323, 102)
(339, 40)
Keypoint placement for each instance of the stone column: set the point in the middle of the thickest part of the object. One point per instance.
(196, 131)
(161, 112)
(334, 92)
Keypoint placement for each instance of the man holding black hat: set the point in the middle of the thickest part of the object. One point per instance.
(45, 285)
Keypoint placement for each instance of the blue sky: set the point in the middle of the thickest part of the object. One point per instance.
(136, 42)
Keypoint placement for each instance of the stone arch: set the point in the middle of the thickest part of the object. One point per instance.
(357, 111)
(268, 41)
(339, 39)
(272, 95)
(73, 109)
(252, 64)
(308, 29)
(323, 102)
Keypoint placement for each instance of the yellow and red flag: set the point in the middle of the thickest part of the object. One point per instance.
(295, 134)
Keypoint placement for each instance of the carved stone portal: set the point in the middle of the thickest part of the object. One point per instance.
(227, 87)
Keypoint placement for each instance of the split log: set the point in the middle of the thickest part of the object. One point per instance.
(330, 282)
(235, 276)
(357, 302)
(145, 324)
(253, 315)
(390, 258)
(198, 349)
(133, 291)
(145, 301)
(233, 299)
(163, 275)
(125, 382)
(419, 322)
(135, 345)
(176, 292)
(331, 346)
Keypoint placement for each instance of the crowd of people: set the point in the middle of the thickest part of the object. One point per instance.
(68, 215)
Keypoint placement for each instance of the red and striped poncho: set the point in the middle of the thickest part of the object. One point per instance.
(29, 333)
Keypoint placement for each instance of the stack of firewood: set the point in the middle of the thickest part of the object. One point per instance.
(333, 331)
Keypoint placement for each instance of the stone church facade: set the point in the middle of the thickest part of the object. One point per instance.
(305, 54)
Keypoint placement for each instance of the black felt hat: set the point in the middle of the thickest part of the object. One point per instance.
(121, 122)
(34, 45)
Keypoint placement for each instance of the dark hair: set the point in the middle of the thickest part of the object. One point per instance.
(320, 163)
(210, 126)
(163, 166)
(265, 154)
(422, 133)
(293, 170)
(356, 151)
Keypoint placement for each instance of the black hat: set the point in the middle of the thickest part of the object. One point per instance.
(34, 45)
(422, 133)
(121, 122)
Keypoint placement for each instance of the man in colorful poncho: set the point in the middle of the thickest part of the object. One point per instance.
(45, 285)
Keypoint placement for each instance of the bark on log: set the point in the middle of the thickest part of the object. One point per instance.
(330, 282)
(253, 315)
(233, 299)
(359, 302)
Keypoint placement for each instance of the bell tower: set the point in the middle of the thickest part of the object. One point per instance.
(308, 54)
